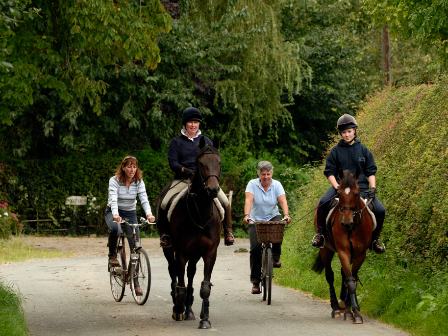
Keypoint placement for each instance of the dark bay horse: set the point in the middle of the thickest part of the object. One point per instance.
(195, 230)
(349, 235)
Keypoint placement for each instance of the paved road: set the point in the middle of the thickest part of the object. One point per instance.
(72, 297)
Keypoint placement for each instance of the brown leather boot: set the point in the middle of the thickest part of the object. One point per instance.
(228, 233)
(256, 288)
(138, 290)
(113, 261)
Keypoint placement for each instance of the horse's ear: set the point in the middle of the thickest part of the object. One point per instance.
(202, 143)
(216, 142)
(357, 173)
(341, 173)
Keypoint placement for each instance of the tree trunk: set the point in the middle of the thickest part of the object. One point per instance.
(385, 41)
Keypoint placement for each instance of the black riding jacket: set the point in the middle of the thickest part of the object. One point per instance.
(183, 153)
(344, 156)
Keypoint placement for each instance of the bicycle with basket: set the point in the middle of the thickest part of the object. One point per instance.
(136, 271)
(267, 234)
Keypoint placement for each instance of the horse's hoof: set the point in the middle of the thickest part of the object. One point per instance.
(357, 320)
(178, 317)
(336, 314)
(341, 305)
(204, 324)
(189, 315)
(348, 316)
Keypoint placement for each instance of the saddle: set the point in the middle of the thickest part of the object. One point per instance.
(370, 208)
(177, 197)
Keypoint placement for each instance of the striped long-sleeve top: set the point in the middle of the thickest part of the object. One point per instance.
(124, 198)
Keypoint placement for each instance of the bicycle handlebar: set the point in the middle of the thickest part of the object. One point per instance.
(253, 221)
(143, 221)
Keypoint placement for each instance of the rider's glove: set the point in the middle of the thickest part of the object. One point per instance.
(188, 173)
(371, 193)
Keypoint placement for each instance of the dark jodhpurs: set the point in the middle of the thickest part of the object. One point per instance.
(115, 228)
(255, 252)
(380, 211)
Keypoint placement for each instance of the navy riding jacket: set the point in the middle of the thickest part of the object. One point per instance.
(183, 152)
(344, 156)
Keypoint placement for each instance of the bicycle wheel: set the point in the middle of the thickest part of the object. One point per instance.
(269, 274)
(117, 276)
(264, 267)
(141, 273)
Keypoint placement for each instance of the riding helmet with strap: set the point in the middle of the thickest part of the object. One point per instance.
(191, 114)
(345, 122)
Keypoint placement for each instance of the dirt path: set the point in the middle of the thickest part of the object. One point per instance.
(72, 297)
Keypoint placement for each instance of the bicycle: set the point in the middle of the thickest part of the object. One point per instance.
(268, 233)
(139, 272)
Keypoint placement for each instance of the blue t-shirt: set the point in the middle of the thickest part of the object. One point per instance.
(264, 206)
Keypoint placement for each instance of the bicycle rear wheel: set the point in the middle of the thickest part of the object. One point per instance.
(117, 276)
(141, 275)
(269, 274)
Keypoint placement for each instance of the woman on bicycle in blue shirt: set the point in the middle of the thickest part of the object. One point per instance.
(262, 196)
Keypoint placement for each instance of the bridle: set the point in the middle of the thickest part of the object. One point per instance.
(355, 210)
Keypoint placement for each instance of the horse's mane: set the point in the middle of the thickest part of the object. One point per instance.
(348, 180)
(209, 149)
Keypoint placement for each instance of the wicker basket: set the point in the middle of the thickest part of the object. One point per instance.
(270, 232)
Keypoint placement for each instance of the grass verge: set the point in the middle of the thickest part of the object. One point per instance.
(12, 318)
(19, 249)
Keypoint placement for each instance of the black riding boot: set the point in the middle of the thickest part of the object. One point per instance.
(375, 246)
(228, 233)
(319, 238)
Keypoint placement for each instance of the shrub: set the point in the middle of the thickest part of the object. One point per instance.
(9, 223)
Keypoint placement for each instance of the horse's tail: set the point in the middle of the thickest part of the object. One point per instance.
(318, 265)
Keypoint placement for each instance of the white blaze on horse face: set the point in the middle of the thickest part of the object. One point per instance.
(347, 190)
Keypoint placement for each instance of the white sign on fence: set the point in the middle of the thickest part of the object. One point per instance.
(76, 200)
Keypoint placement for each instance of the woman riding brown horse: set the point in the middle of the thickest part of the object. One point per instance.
(195, 230)
(349, 233)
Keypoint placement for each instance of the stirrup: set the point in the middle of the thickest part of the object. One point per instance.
(169, 241)
(319, 234)
(382, 245)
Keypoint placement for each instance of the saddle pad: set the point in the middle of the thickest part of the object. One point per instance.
(368, 209)
(181, 194)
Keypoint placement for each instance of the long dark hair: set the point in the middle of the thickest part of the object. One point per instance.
(121, 175)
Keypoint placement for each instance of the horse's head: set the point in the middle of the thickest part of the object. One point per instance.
(209, 166)
(348, 196)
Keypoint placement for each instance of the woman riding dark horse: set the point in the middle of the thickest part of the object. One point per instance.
(350, 154)
(349, 233)
(195, 230)
(182, 155)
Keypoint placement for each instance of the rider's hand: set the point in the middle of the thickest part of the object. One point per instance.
(288, 219)
(188, 173)
(117, 219)
(371, 193)
(246, 219)
(151, 218)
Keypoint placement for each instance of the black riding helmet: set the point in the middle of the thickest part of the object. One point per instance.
(345, 122)
(191, 114)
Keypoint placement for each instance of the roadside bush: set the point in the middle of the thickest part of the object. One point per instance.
(9, 223)
(12, 318)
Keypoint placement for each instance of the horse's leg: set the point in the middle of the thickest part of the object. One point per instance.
(180, 290)
(343, 294)
(357, 319)
(191, 271)
(169, 255)
(206, 286)
(327, 256)
(344, 257)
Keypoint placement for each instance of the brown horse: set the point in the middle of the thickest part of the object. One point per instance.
(349, 234)
(195, 230)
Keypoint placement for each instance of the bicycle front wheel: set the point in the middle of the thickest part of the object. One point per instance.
(264, 267)
(117, 276)
(269, 274)
(141, 277)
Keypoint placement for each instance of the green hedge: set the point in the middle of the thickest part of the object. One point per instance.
(407, 131)
(39, 188)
